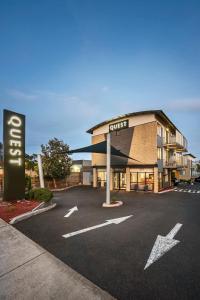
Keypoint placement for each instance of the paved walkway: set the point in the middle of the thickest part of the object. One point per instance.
(27, 271)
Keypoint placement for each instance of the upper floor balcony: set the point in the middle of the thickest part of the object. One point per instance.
(175, 162)
(177, 142)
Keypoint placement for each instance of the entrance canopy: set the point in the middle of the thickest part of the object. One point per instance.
(101, 148)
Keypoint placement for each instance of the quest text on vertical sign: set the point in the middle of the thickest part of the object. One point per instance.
(14, 155)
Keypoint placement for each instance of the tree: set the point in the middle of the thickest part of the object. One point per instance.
(55, 159)
(31, 162)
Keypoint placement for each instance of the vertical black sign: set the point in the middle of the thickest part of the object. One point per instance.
(14, 155)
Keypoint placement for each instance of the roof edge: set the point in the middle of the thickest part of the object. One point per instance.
(145, 112)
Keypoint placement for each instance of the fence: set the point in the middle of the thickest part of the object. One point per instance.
(70, 180)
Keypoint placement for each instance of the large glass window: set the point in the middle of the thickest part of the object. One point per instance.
(101, 178)
(134, 181)
(149, 181)
(142, 181)
(160, 181)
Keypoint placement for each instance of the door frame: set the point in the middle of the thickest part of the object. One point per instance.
(118, 174)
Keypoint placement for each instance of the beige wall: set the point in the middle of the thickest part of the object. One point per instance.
(187, 169)
(139, 142)
(133, 121)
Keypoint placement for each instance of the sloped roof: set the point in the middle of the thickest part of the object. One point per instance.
(159, 113)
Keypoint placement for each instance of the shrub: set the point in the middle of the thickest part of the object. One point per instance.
(29, 195)
(28, 184)
(40, 194)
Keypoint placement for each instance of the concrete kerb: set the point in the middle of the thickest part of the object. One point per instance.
(36, 211)
(166, 191)
(115, 204)
(65, 189)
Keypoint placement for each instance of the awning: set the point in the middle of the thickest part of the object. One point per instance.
(100, 148)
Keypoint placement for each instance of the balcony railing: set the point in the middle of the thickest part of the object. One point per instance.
(174, 163)
(171, 163)
(172, 142)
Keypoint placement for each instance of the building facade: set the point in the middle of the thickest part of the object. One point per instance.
(1, 169)
(81, 172)
(153, 143)
(189, 171)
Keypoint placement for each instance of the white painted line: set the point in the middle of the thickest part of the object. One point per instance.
(108, 222)
(71, 210)
(198, 192)
(162, 245)
(174, 231)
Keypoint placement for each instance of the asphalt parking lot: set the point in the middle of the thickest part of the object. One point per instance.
(113, 256)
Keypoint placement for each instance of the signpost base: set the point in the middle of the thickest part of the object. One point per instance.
(114, 204)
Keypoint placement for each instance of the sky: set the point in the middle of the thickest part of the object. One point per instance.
(68, 65)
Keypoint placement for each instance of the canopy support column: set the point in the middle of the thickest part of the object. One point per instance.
(108, 170)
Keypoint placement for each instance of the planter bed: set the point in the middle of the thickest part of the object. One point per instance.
(9, 210)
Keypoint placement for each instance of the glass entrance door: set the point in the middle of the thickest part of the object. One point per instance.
(119, 180)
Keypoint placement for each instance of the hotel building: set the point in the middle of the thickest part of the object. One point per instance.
(155, 148)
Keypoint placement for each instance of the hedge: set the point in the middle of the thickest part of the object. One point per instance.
(40, 194)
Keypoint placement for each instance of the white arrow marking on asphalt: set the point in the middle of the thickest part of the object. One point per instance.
(71, 210)
(162, 245)
(108, 222)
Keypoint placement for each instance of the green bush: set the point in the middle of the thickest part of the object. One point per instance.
(40, 194)
(28, 184)
(29, 195)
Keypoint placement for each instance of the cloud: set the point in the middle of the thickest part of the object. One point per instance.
(105, 88)
(22, 95)
(185, 105)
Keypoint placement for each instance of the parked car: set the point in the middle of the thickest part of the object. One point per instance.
(197, 179)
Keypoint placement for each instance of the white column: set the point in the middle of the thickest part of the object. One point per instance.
(156, 178)
(41, 176)
(128, 179)
(108, 170)
(94, 177)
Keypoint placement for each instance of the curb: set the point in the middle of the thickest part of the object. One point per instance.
(39, 206)
(64, 189)
(116, 204)
(166, 191)
(31, 213)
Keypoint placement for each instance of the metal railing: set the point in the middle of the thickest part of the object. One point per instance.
(172, 140)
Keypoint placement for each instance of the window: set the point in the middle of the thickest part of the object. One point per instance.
(101, 178)
(149, 181)
(160, 182)
(159, 130)
(141, 178)
(182, 172)
(134, 177)
(159, 153)
(142, 181)
(76, 168)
